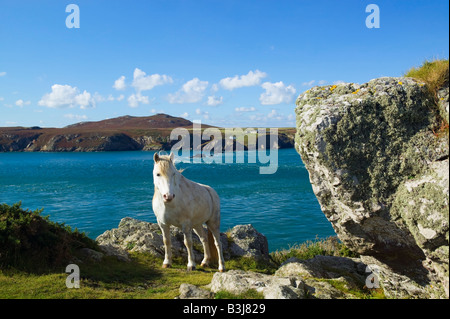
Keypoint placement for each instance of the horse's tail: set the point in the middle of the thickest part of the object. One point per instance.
(212, 248)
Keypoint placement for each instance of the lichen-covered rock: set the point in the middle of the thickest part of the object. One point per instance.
(289, 286)
(443, 102)
(352, 270)
(246, 241)
(272, 287)
(188, 291)
(376, 167)
(140, 236)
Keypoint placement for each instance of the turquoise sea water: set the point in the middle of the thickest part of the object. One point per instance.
(94, 191)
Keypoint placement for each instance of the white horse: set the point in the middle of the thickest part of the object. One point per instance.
(187, 205)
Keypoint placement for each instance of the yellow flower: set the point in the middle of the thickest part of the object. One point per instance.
(401, 83)
(333, 87)
(355, 91)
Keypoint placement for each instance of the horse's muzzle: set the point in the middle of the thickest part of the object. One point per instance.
(168, 197)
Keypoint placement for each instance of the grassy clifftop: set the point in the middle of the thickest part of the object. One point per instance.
(35, 251)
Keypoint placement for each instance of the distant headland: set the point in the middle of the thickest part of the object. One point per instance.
(125, 133)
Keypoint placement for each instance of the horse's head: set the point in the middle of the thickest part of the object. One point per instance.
(165, 176)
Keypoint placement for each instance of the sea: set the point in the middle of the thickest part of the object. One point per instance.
(94, 191)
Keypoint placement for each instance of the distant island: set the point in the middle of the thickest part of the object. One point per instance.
(125, 133)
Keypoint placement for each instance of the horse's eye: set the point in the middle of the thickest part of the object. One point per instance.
(158, 174)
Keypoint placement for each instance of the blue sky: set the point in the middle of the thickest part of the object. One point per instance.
(225, 62)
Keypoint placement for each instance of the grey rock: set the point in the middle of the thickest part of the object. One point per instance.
(188, 291)
(272, 287)
(91, 254)
(113, 250)
(135, 235)
(246, 241)
(323, 290)
(381, 176)
(352, 270)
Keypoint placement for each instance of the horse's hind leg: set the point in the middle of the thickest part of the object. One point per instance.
(214, 228)
(201, 233)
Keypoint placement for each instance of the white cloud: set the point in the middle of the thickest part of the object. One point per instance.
(205, 114)
(273, 118)
(135, 99)
(1, 98)
(274, 115)
(76, 117)
(144, 82)
(250, 79)
(310, 83)
(120, 97)
(192, 91)
(22, 103)
(84, 100)
(338, 82)
(2, 73)
(245, 109)
(185, 115)
(214, 88)
(214, 101)
(119, 84)
(276, 93)
(63, 96)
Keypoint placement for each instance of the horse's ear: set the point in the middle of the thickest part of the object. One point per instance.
(156, 157)
(172, 155)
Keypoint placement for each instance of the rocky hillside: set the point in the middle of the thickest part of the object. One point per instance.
(378, 159)
(126, 133)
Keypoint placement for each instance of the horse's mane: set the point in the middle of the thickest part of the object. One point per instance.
(164, 162)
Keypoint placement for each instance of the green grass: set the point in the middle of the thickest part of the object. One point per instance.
(34, 253)
(307, 250)
(434, 73)
(436, 76)
(142, 277)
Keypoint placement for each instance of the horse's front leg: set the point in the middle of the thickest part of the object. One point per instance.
(188, 243)
(165, 229)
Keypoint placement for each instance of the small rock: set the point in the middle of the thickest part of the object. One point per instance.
(91, 254)
(272, 287)
(188, 291)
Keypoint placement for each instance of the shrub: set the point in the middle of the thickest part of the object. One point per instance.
(33, 243)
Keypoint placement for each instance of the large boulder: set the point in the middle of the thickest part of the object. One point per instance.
(379, 169)
(140, 236)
